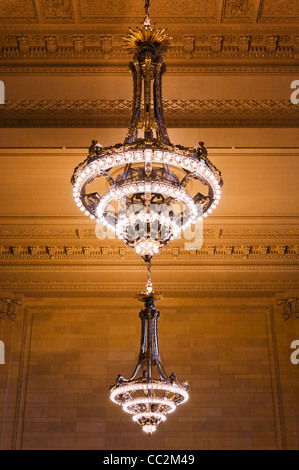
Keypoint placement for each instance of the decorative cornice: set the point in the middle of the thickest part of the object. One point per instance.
(172, 106)
(112, 68)
(69, 48)
(199, 267)
(170, 11)
(286, 236)
(196, 287)
(250, 252)
(179, 113)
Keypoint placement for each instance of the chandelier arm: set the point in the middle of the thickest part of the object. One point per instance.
(162, 371)
(170, 174)
(162, 134)
(159, 363)
(136, 71)
(148, 130)
(142, 351)
(110, 176)
(149, 318)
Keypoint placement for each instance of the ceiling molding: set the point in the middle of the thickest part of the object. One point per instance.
(87, 252)
(170, 11)
(79, 234)
(112, 68)
(65, 33)
(178, 113)
(195, 287)
(15, 49)
(160, 266)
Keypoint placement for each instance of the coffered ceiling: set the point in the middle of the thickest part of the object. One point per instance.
(114, 11)
(211, 31)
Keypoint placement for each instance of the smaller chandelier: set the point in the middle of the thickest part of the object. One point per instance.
(150, 394)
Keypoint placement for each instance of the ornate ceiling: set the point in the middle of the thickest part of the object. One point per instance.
(263, 32)
(175, 11)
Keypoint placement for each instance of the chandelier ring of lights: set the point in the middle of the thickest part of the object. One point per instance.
(96, 207)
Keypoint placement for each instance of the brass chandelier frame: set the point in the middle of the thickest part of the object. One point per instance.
(150, 180)
(148, 176)
(149, 395)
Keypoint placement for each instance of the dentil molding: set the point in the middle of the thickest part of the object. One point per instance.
(195, 287)
(86, 252)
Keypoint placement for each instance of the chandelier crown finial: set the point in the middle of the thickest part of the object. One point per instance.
(137, 38)
(147, 20)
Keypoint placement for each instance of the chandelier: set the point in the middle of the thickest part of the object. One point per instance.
(150, 396)
(154, 191)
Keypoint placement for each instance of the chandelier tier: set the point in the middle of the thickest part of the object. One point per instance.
(150, 396)
(155, 190)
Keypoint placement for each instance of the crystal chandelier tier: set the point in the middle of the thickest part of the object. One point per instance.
(155, 190)
(150, 394)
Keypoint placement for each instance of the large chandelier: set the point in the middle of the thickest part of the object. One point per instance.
(154, 189)
(150, 394)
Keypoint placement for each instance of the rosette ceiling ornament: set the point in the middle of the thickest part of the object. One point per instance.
(154, 189)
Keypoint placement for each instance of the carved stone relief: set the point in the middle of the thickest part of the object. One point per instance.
(51, 44)
(8, 308)
(189, 45)
(238, 10)
(106, 44)
(78, 44)
(23, 43)
(74, 251)
(271, 43)
(289, 308)
(57, 11)
(244, 43)
(217, 43)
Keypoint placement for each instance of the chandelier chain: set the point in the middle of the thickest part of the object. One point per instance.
(149, 285)
(147, 20)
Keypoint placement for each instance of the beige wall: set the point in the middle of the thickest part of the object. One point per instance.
(64, 354)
